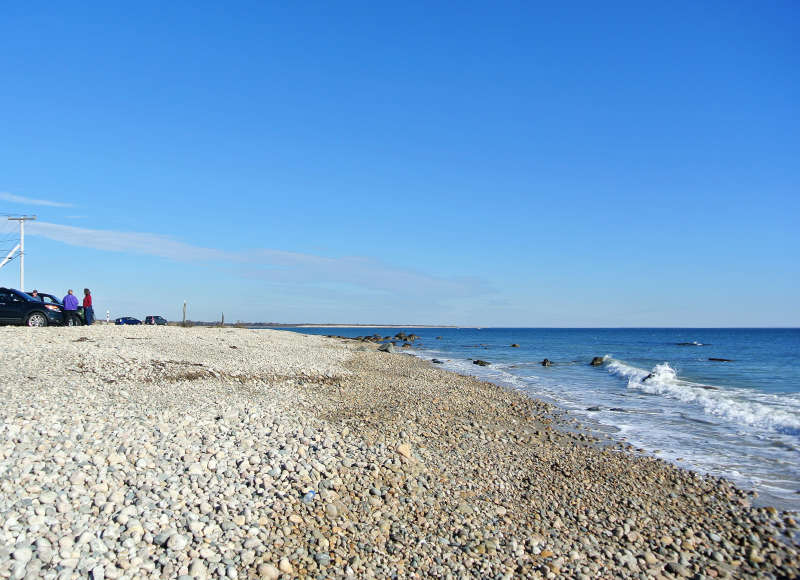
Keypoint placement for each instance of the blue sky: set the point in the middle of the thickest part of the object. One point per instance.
(523, 164)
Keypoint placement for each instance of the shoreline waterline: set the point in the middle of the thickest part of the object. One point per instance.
(609, 434)
(739, 419)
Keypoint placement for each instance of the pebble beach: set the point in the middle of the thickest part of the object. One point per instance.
(167, 452)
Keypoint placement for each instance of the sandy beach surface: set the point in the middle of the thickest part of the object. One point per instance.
(163, 452)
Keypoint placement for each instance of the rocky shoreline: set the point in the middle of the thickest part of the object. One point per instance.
(130, 452)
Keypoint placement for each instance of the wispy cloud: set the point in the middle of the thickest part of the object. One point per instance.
(365, 272)
(133, 242)
(271, 265)
(4, 196)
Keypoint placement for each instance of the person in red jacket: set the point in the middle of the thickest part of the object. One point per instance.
(88, 311)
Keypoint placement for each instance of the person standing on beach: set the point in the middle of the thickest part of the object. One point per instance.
(88, 311)
(70, 306)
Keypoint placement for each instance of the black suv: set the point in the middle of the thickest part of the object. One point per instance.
(160, 320)
(18, 308)
(71, 317)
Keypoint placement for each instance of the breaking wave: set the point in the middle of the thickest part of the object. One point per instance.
(741, 406)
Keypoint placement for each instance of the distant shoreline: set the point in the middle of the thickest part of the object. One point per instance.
(328, 325)
(374, 326)
(279, 325)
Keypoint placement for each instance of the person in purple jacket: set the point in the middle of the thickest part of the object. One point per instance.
(70, 306)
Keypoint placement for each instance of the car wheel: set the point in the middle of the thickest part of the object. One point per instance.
(36, 319)
(72, 321)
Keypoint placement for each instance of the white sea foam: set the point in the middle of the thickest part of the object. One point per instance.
(744, 434)
(739, 406)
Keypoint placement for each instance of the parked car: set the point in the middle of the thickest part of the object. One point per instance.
(160, 320)
(46, 298)
(127, 320)
(71, 317)
(17, 307)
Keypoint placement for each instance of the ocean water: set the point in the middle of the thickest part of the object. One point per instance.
(656, 390)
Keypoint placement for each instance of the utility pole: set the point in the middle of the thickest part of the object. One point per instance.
(184, 313)
(20, 247)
